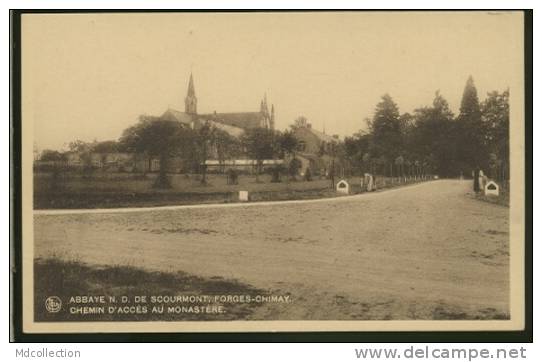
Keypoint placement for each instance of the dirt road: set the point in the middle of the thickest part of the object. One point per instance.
(424, 252)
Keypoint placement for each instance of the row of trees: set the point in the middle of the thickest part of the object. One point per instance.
(433, 140)
(154, 137)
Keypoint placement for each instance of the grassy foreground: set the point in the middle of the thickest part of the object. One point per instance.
(65, 280)
(54, 277)
(503, 199)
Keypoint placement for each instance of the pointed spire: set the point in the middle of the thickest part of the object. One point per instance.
(190, 101)
(272, 117)
(191, 90)
(265, 110)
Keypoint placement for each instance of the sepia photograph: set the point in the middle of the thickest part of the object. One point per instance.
(273, 171)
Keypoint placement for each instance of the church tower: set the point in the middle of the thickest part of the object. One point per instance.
(264, 113)
(191, 102)
(272, 117)
(263, 106)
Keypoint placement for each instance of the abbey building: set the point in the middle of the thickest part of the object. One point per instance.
(234, 123)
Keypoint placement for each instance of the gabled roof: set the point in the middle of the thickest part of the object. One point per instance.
(244, 120)
(232, 123)
(231, 130)
(174, 115)
(322, 136)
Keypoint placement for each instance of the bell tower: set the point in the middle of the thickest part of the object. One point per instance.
(190, 101)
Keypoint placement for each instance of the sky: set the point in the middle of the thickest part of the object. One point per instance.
(89, 76)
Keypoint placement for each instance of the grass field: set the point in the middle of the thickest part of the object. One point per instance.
(107, 190)
(503, 199)
(78, 279)
(65, 279)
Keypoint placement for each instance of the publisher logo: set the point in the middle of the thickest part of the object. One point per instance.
(53, 304)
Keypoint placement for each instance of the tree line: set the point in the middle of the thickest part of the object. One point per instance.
(156, 138)
(433, 140)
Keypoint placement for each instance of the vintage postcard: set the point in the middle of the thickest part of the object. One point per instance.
(273, 171)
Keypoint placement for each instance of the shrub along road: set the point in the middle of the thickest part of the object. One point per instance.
(430, 251)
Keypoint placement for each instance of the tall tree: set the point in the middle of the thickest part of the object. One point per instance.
(431, 137)
(496, 119)
(470, 105)
(469, 140)
(288, 144)
(227, 147)
(84, 150)
(259, 144)
(205, 138)
(355, 147)
(386, 130)
(159, 138)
